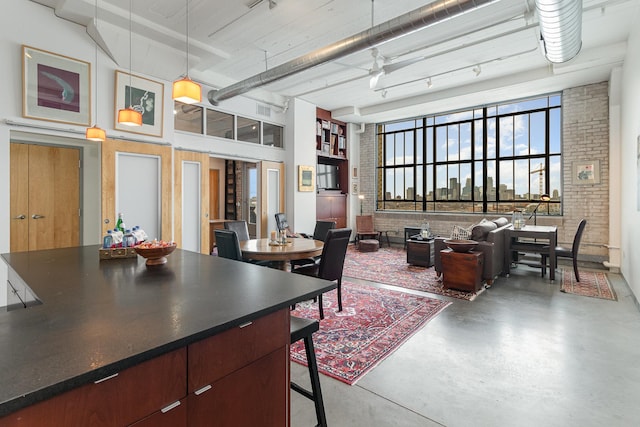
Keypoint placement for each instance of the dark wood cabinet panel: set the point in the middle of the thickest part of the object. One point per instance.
(174, 417)
(332, 206)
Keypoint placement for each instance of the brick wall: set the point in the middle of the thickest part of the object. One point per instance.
(585, 138)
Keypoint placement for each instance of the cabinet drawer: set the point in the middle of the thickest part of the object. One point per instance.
(215, 357)
(176, 416)
(119, 400)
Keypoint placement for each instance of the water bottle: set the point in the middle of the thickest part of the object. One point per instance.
(117, 238)
(128, 241)
(107, 240)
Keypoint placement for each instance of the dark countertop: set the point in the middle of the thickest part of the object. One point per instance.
(100, 317)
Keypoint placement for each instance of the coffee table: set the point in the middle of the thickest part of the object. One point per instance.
(420, 252)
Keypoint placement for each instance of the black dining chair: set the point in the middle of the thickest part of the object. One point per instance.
(331, 262)
(240, 227)
(569, 253)
(229, 247)
(319, 233)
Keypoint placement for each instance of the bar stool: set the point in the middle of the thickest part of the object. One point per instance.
(304, 329)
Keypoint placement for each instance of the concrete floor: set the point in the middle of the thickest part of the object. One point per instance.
(521, 354)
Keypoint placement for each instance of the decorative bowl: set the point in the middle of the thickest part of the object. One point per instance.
(155, 255)
(460, 245)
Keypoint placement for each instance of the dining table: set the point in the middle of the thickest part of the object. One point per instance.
(541, 239)
(281, 254)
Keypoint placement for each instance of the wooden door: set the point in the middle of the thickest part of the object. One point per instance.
(45, 197)
(110, 151)
(214, 194)
(181, 159)
(271, 196)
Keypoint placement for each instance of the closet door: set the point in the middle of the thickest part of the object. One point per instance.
(191, 201)
(45, 197)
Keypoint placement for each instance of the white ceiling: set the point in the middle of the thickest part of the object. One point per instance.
(229, 41)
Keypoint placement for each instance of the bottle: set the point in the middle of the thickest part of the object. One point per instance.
(117, 238)
(425, 230)
(120, 223)
(128, 241)
(107, 240)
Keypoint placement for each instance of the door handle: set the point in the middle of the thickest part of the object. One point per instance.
(19, 217)
(36, 216)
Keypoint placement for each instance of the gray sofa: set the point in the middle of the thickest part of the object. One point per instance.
(491, 242)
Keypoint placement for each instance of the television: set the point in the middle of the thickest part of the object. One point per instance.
(327, 177)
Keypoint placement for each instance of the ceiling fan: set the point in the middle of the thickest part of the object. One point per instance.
(387, 67)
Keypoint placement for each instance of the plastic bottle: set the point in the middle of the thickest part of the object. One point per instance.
(117, 238)
(120, 224)
(128, 241)
(107, 240)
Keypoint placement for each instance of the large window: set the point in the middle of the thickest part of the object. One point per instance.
(490, 159)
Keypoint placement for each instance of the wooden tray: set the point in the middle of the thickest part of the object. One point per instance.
(117, 253)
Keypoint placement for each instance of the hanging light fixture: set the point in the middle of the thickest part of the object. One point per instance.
(95, 133)
(186, 90)
(128, 116)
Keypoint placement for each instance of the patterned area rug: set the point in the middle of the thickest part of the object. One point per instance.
(374, 322)
(389, 266)
(592, 284)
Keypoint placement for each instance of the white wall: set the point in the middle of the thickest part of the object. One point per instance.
(630, 132)
(35, 25)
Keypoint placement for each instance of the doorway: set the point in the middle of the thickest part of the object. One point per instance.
(251, 201)
(44, 197)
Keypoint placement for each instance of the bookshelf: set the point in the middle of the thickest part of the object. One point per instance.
(331, 135)
(230, 190)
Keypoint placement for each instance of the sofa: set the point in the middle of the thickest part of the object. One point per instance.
(491, 242)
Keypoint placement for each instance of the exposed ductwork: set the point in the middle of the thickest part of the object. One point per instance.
(560, 28)
(439, 11)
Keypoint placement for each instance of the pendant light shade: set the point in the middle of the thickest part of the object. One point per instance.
(130, 117)
(187, 91)
(96, 134)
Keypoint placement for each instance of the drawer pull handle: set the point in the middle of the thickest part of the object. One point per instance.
(106, 378)
(202, 390)
(244, 325)
(170, 407)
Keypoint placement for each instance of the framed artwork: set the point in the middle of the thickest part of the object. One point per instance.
(145, 96)
(586, 172)
(55, 87)
(305, 178)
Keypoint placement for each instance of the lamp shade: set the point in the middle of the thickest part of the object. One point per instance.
(94, 133)
(130, 117)
(187, 91)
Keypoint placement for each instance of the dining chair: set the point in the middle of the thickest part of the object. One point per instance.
(319, 233)
(331, 262)
(569, 253)
(240, 227)
(365, 228)
(229, 247)
(303, 329)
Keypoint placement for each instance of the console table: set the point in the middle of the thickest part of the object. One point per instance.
(533, 233)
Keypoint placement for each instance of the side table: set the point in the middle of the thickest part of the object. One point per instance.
(409, 231)
(462, 270)
(420, 252)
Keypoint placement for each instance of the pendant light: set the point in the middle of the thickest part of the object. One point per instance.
(128, 116)
(186, 90)
(95, 133)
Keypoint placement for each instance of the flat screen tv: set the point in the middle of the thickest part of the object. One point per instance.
(327, 177)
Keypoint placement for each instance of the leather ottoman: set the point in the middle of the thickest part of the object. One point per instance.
(368, 245)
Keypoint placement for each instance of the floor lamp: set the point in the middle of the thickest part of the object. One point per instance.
(544, 198)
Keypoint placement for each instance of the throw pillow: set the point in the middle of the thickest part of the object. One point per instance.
(460, 233)
(501, 222)
(480, 231)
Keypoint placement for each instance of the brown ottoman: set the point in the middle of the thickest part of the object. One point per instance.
(368, 245)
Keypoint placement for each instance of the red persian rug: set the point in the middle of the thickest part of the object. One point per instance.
(389, 266)
(374, 322)
(591, 284)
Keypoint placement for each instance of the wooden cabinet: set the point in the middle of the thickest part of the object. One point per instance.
(331, 135)
(241, 376)
(332, 206)
(462, 270)
(420, 252)
(118, 400)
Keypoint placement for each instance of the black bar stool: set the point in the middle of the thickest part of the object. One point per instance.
(304, 329)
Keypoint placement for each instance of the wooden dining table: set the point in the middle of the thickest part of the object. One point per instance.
(296, 248)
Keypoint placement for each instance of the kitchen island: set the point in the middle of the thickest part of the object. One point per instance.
(115, 341)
